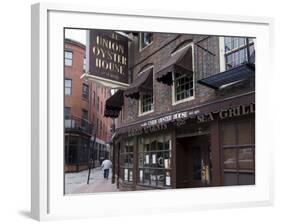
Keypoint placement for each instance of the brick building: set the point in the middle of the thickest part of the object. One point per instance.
(188, 117)
(86, 130)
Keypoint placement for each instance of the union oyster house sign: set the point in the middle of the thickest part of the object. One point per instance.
(107, 58)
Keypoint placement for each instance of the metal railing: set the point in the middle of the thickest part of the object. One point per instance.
(75, 123)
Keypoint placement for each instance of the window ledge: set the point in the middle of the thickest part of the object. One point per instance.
(143, 48)
(183, 101)
(145, 113)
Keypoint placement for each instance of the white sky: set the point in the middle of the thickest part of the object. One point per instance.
(76, 34)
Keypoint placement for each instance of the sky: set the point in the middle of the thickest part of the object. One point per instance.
(76, 34)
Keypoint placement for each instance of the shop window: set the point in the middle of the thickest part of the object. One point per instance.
(68, 58)
(67, 87)
(145, 39)
(84, 151)
(238, 147)
(71, 149)
(183, 87)
(146, 103)
(127, 161)
(154, 161)
(236, 51)
(85, 91)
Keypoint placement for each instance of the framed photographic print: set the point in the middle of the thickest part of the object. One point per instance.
(148, 111)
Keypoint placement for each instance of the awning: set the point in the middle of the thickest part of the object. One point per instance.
(143, 84)
(180, 62)
(229, 77)
(113, 104)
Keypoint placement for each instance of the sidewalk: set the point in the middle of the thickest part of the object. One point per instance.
(76, 183)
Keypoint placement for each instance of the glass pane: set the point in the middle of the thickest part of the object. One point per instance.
(141, 160)
(167, 179)
(245, 159)
(229, 158)
(246, 178)
(153, 177)
(228, 134)
(160, 178)
(230, 179)
(146, 177)
(244, 133)
(67, 91)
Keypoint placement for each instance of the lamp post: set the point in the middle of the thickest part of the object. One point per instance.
(91, 161)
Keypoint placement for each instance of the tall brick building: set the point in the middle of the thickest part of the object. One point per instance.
(86, 130)
(188, 117)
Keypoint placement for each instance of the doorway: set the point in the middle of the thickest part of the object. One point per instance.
(193, 161)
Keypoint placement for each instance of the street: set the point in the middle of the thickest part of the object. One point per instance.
(76, 183)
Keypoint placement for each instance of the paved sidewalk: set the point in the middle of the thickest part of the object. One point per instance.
(76, 183)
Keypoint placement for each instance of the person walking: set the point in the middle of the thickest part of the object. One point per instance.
(106, 165)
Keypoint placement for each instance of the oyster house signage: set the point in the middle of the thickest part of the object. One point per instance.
(179, 118)
(108, 56)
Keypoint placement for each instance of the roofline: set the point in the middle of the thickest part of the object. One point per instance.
(77, 43)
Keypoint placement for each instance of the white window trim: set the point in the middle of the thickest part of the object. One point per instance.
(174, 102)
(222, 54)
(146, 112)
(139, 101)
(140, 47)
(68, 51)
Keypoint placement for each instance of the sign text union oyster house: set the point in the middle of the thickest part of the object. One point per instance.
(185, 111)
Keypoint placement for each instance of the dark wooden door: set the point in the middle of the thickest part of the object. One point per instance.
(192, 162)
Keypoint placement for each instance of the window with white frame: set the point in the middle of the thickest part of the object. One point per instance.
(183, 86)
(145, 39)
(235, 49)
(67, 87)
(68, 58)
(146, 103)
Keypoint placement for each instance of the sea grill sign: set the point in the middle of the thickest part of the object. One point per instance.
(108, 57)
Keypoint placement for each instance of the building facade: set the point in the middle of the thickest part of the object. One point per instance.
(86, 130)
(188, 117)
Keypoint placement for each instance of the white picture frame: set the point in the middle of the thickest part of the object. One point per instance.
(48, 201)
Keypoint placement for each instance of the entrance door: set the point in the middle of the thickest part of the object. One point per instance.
(193, 161)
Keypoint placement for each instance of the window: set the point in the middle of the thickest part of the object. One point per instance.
(127, 161)
(67, 87)
(84, 64)
(85, 91)
(84, 120)
(236, 51)
(68, 58)
(94, 97)
(183, 86)
(146, 103)
(101, 107)
(98, 103)
(238, 144)
(84, 114)
(154, 158)
(67, 111)
(145, 39)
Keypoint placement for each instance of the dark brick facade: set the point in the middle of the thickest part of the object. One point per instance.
(206, 60)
